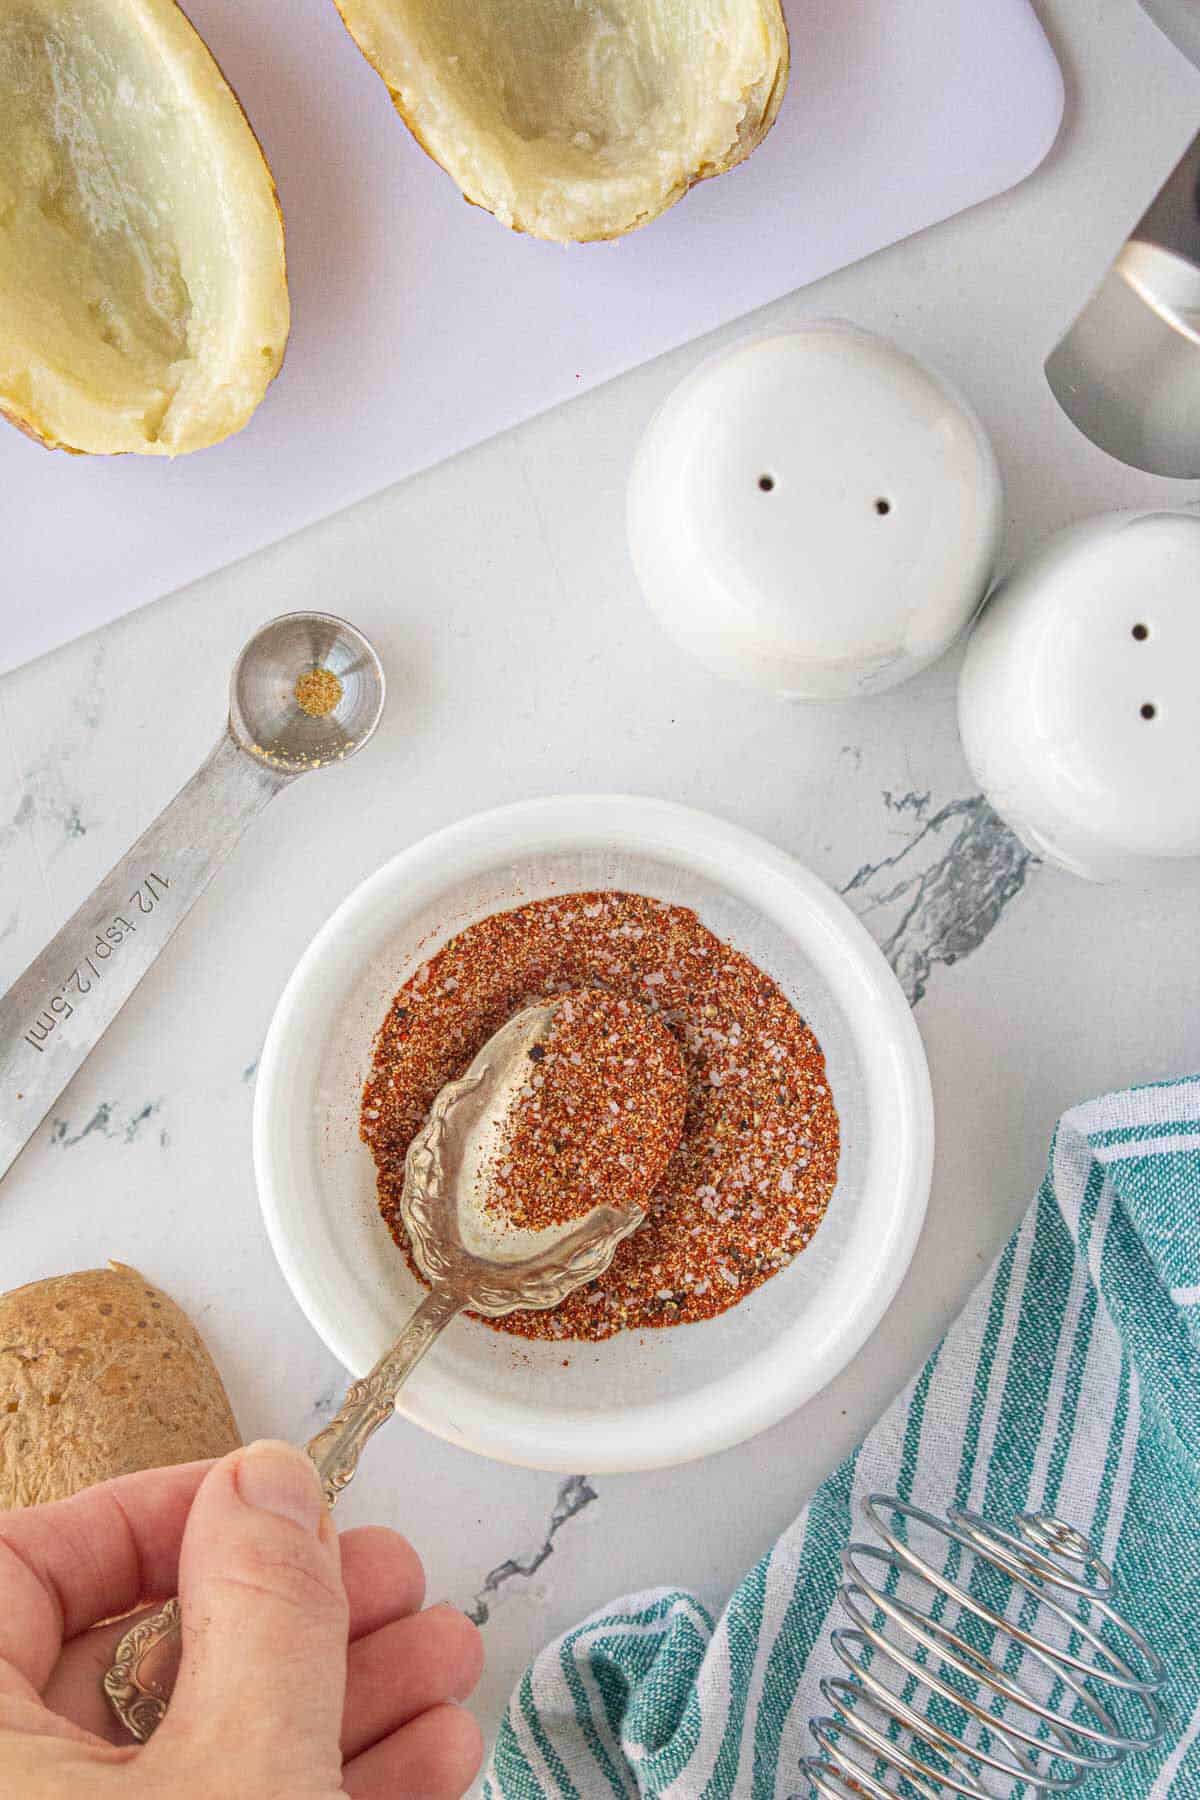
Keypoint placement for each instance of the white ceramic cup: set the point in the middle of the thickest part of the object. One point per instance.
(1079, 704)
(815, 513)
(640, 1399)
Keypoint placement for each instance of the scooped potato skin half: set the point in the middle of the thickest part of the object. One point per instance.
(143, 285)
(596, 193)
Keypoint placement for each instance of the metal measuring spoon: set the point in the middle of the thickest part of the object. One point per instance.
(469, 1261)
(56, 1013)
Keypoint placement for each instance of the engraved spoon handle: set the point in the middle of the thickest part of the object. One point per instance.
(139, 1681)
(56, 1012)
(370, 1402)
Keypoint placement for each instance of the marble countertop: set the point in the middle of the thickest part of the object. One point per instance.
(522, 662)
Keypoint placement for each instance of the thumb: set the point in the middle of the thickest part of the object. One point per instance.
(265, 1620)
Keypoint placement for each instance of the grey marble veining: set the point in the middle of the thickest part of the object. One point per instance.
(329, 1398)
(573, 1495)
(936, 900)
(56, 796)
(111, 1121)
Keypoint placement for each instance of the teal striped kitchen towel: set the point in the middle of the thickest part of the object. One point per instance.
(1070, 1383)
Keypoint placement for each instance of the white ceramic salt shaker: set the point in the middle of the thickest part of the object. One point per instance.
(1079, 703)
(816, 513)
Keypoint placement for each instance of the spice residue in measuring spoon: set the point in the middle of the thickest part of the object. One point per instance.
(758, 1155)
(597, 1118)
(317, 692)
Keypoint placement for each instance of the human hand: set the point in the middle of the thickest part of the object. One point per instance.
(308, 1670)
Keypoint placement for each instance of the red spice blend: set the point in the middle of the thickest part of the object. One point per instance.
(758, 1156)
(597, 1119)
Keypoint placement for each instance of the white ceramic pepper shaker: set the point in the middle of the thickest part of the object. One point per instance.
(1079, 703)
(816, 513)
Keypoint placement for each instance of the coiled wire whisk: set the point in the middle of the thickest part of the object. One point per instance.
(980, 1662)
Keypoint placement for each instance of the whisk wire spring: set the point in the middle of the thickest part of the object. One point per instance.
(1019, 1675)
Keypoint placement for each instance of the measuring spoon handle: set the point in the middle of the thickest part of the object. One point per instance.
(57, 1011)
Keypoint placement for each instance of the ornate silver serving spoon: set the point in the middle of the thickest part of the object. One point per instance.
(470, 1258)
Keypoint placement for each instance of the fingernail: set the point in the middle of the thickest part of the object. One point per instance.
(277, 1478)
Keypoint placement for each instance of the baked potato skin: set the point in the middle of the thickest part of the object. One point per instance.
(101, 1374)
(218, 109)
(748, 139)
(28, 429)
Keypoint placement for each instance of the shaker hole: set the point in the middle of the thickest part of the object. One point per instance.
(767, 483)
(1149, 710)
(883, 507)
(1141, 633)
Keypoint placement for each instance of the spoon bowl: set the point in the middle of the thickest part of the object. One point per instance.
(495, 1270)
(266, 718)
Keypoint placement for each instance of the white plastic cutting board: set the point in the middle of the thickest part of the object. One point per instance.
(420, 326)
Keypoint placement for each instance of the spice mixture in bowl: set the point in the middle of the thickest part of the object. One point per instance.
(756, 1165)
(807, 1103)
